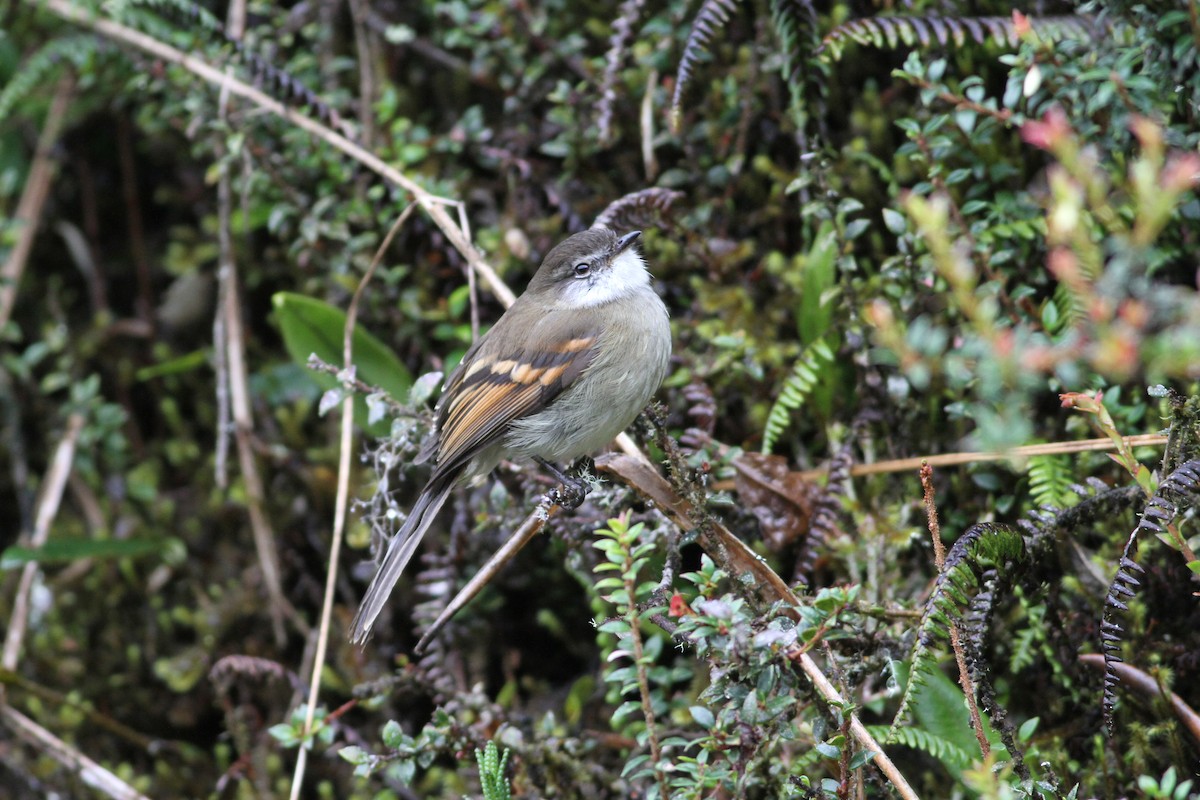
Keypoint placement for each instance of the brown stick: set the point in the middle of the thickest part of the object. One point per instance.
(33, 196)
(47, 509)
(960, 655)
(955, 459)
(1146, 685)
(243, 416)
(91, 773)
(144, 305)
(341, 503)
(971, 457)
(530, 528)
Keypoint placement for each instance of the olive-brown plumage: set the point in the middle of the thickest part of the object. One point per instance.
(558, 376)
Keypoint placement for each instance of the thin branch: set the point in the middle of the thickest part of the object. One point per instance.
(91, 773)
(341, 505)
(643, 678)
(931, 514)
(78, 705)
(235, 20)
(47, 509)
(239, 395)
(366, 70)
(530, 528)
(144, 304)
(1145, 684)
(646, 119)
(971, 457)
(33, 196)
(960, 655)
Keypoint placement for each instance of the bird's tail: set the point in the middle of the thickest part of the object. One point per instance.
(399, 550)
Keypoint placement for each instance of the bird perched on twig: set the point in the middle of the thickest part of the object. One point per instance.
(558, 376)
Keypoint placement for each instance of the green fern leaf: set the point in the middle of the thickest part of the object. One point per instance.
(985, 547)
(944, 750)
(929, 31)
(712, 17)
(123, 10)
(1050, 481)
(67, 50)
(795, 23)
(812, 366)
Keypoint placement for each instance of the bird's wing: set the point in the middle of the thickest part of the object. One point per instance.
(495, 387)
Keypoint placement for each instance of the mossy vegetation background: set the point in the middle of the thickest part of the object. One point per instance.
(883, 233)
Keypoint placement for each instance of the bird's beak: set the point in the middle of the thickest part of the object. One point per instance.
(627, 240)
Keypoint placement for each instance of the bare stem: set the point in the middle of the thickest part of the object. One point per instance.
(345, 455)
(635, 633)
(33, 196)
(960, 655)
(239, 394)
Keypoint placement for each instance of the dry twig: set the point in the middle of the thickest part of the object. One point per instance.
(341, 504)
(960, 655)
(33, 196)
(47, 509)
(237, 379)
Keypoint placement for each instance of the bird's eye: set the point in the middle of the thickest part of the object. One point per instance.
(582, 269)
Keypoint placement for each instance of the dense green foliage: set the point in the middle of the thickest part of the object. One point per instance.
(880, 236)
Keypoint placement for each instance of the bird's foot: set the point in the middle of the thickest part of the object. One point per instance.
(574, 485)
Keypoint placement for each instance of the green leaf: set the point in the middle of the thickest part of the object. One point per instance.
(894, 221)
(704, 718)
(311, 326)
(815, 363)
(285, 734)
(815, 311)
(197, 359)
(392, 734)
(66, 550)
(354, 754)
(827, 750)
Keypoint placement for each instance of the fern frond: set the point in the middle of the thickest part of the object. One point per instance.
(892, 32)
(983, 557)
(637, 209)
(1050, 481)
(976, 621)
(1070, 307)
(713, 16)
(933, 745)
(151, 15)
(435, 583)
(622, 32)
(1178, 491)
(795, 23)
(812, 365)
(179, 10)
(69, 49)
(827, 505)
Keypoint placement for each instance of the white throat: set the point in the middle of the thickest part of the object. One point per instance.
(626, 275)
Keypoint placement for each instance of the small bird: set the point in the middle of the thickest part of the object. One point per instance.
(563, 371)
